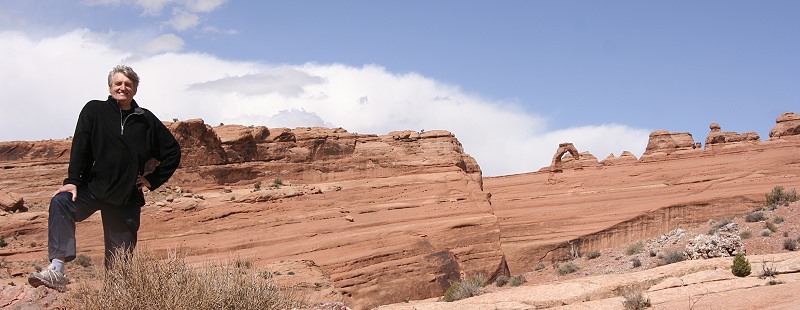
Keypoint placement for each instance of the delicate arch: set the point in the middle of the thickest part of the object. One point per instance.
(563, 148)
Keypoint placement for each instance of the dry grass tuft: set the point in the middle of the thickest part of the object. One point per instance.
(139, 280)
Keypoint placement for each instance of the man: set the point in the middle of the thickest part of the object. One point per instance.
(113, 140)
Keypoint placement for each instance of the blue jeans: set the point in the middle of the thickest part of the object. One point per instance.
(120, 224)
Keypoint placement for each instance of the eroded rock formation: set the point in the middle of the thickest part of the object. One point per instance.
(385, 217)
(625, 158)
(663, 142)
(717, 136)
(563, 148)
(787, 124)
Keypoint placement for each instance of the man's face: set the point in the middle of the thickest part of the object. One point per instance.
(121, 88)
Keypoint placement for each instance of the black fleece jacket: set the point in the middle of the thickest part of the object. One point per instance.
(109, 151)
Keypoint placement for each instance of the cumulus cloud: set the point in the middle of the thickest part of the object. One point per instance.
(40, 102)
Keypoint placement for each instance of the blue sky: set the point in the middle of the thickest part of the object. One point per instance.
(511, 79)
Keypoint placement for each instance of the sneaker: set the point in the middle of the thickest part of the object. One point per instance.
(51, 278)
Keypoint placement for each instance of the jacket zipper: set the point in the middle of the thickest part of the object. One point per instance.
(136, 111)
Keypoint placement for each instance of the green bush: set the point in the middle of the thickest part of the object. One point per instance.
(539, 266)
(755, 217)
(635, 248)
(464, 289)
(517, 280)
(277, 183)
(766, 232)
(673, 257)
(567, 268)
(741, 267)
(778, 219)
(746, 234)
(779, 196)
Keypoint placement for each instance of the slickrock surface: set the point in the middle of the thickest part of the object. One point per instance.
(373, 220)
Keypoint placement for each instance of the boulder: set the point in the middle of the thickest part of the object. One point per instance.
(10, 202)
(788, 124)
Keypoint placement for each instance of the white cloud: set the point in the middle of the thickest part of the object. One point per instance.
(182, 20)
(42, 102)
(204, 6)
(153, 7)
(165, 43)
(212, 29)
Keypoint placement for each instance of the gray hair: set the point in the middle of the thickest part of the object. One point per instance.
(126, 71)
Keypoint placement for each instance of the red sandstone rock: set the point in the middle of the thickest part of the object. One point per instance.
(625, 158)
(788, 124)
(717, 136)
(10, 202)
(663, 143)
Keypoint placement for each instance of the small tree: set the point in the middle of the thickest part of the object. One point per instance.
(741, 267)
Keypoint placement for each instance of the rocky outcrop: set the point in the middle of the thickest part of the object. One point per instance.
(200, 146)
(386, 217)
(585, 160)
(625, 158)
(663, 143)
(717, 136)
(725, 242)
(50, 150)
(788, 124)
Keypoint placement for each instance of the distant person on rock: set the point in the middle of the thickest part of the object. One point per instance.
(113, 140)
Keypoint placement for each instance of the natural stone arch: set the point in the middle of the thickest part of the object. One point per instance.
(563, 148)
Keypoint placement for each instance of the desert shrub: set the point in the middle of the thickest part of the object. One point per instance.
(746, 234)
(501, 280)
(592, 255)
(257, 186)
(767, 271)
(786, 234)
(465, 288)
(673, 257)
(539, 266)
(242, 263)
(790, 244)
(771, 226)
(741, 267)
(778, 219)
(139, 278)
(766, 232)
(3, 242)
(277, 183)
(779, 196)
(635, 248)
(83, 261)
(653, 253)
(634, 299)
(517, 280)
(636, 262)
(567, 268)
(755, 217)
